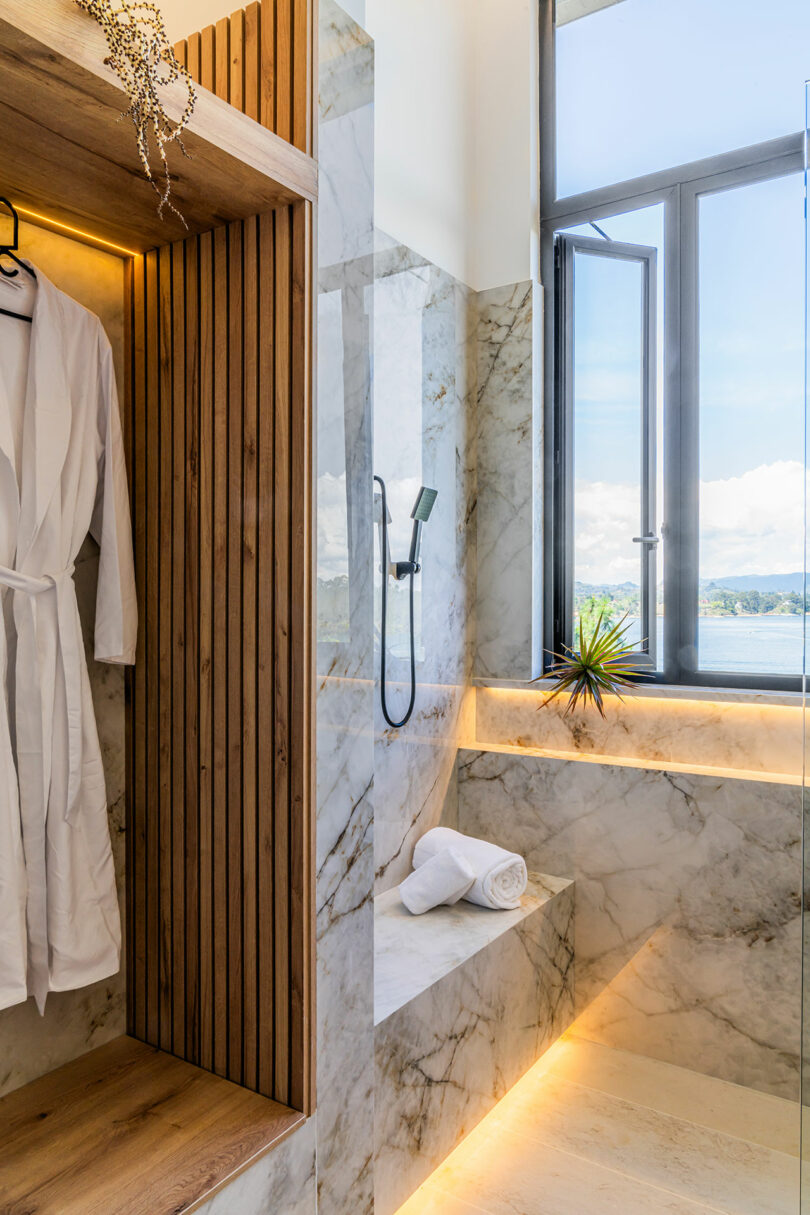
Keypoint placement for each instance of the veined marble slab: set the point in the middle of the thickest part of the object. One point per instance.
(688, 904)
(445, 1058)
(412, 952)
(748, 737)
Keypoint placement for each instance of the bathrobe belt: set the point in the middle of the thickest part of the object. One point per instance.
(28, 587)
(35, 675)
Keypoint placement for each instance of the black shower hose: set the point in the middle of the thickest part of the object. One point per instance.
(395, 725)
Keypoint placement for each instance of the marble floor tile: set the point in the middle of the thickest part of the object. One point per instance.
(721, 1171)
(431, 1201)
(761, 1118)
(511, 1175)
(608, 1143)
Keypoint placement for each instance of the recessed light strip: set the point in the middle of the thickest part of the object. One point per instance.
(79, 232)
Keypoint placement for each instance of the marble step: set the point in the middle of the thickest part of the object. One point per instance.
(467, 1001)
(412, 953)
(745, 1113)
(693, 1161)
(510, 1175)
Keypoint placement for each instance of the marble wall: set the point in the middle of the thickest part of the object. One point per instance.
(509, 528)
(344, 744)
(749, 733)
(688, 906)
(424, 386)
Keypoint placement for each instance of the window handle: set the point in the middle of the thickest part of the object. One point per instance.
(651, 540)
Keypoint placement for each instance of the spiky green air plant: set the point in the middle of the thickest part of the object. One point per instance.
(600, 666)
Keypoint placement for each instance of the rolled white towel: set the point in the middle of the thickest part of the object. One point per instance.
(444, 878)
(500, 876)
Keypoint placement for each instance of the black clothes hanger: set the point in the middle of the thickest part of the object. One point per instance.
(8, 251)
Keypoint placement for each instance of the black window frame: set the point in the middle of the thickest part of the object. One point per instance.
(679, 189)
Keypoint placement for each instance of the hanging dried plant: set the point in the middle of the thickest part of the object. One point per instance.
(143, 59)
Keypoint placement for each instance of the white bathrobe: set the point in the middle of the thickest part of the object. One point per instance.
(62, 474)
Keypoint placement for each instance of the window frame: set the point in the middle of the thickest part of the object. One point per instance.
(679, 189)
(567, 247)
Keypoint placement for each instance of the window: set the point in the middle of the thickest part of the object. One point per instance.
(675, 344)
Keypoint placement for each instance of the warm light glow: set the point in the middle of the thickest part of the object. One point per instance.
(487, 1149)
(79, 232)
(650, 765)
(658, 733)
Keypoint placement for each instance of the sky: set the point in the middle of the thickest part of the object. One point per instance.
(745, 83)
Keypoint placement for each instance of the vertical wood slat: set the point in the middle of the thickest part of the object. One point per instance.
(136, 836)
(268, 48)
(282, 627)
(204, 681)
(253, 63)
(178, 672)
(222, 67)
(151, 631)
(303, 54)
(208, 57)
(191, 604)
(235, 661)
(164, 324)
(267, 62)
(282, 85)
(301, 857)
(193, 57)
(236, 87)
(219, 656)
(267, 645)
(250, 682)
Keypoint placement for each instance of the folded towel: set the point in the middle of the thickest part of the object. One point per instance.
(444, 878)
(500, 876)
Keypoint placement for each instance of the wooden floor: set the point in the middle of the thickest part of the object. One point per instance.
(129, 1130)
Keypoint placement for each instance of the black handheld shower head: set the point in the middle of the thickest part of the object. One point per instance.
(424, 504)
(420, 514)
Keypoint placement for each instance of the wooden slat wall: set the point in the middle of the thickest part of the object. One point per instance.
(219, 898)
(260, 60)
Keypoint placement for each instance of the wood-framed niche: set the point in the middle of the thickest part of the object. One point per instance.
(217, 1064)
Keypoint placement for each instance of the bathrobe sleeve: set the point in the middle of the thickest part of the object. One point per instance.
(116, 604)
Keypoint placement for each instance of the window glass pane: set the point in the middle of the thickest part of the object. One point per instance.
(607, 507)
(751, 428)
(648, 84)
(608, 386)
(333, 531)
(400, 299)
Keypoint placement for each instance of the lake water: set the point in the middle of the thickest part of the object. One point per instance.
(769, 645)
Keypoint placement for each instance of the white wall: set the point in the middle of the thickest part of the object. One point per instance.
(423, 125)
(454, 128)
(184, 17)
(504, 92)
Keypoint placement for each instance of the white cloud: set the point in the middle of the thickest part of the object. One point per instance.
(333, 537)
(751, 524)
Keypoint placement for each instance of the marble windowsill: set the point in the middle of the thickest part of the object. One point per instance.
(413, 952)
(670, 691)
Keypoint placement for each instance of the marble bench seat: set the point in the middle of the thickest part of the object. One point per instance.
(466, 1000)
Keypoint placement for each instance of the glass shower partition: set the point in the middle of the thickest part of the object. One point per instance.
(805, 1045)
